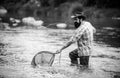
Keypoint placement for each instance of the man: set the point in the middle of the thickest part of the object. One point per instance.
(84, 37)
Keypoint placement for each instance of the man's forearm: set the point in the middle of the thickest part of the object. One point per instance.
(67, 45)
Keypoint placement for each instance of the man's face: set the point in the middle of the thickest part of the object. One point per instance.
(77, 22)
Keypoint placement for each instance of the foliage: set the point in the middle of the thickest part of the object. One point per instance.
(58, 10)
(56, 3)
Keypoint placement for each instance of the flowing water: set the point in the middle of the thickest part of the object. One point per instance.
(17, 48)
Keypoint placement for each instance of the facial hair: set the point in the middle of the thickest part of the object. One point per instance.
(76, 24)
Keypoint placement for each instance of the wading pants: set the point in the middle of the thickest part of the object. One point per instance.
(84, 60)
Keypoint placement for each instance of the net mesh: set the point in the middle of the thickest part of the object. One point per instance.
(43, 58)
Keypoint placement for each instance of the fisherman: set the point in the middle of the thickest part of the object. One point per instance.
(83, 36)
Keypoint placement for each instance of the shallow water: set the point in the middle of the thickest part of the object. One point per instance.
(19, 46)
(109, 36)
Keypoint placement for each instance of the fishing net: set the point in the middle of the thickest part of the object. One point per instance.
(43, 58)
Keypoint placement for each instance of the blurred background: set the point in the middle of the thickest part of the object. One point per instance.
(52, 11)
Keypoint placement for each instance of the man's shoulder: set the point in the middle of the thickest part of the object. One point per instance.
(87, 22)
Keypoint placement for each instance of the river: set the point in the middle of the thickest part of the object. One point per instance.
(18, 46)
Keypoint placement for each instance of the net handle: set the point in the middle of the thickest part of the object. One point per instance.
(59, 57)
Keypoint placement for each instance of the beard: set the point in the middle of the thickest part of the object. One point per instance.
(76, 24)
